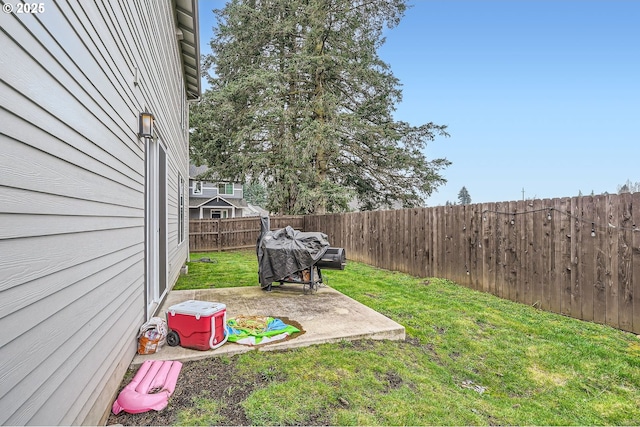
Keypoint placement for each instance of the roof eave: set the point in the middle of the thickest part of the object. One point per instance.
(187, 22)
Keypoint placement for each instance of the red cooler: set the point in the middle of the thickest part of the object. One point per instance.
(197, 324)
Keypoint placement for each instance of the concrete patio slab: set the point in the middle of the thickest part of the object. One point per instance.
(325, 316)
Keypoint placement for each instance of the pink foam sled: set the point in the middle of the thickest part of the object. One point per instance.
(150, 388)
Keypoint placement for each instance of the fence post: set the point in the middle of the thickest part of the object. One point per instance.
(219, 239)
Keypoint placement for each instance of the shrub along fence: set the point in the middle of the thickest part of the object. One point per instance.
(575, 256)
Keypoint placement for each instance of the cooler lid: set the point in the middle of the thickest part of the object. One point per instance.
(197, 308)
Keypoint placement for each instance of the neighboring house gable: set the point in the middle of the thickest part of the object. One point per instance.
(215, 199)
(75, 195)
(216, 207)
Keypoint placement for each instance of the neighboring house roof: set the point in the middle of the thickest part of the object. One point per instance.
(196, 202)
(218, 201)
(254, 210)
(238, 203)
(188, 36)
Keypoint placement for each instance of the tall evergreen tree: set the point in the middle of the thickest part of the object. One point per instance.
(300, 100)
(629, 187)
(464, 197)
(255, 193)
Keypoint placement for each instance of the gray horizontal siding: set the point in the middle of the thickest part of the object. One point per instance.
(53, 284)
(58, 337)
(211, 190)
(76, 149)
(19, 201)
(28, 259)
(72, 198)
(31, 225)
(50, 91)
(30, 169)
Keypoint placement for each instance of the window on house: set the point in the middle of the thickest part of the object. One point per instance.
(197, 187)
(225, 188)
(215, 214)
(181, 223)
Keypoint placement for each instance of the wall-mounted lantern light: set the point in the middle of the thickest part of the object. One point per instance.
(146, 125)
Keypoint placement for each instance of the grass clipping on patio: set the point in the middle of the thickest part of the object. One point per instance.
(469, 359)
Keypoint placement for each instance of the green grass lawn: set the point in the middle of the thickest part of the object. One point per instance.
(226, 270)
(469, 359)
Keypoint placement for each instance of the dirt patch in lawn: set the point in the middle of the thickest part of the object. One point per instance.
(213, 378)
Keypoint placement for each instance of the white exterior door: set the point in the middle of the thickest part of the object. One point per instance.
(156, 225)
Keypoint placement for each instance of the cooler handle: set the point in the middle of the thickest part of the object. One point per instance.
(213, 331)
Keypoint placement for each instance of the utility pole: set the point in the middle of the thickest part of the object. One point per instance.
(522, 193)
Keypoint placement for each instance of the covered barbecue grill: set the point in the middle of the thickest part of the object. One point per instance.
(291, 256)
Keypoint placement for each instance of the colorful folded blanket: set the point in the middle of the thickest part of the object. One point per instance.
(255, 330)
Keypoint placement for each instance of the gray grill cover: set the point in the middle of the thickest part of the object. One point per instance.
(286, 251)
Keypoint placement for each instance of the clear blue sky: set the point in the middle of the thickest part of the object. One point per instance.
(540, 95)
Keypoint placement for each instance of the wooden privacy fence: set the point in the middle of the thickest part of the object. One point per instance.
(575, 256)
(206, 235)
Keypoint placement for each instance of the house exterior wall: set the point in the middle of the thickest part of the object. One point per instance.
(210, 189)
(73, 80)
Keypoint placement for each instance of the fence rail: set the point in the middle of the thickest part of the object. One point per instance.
(207, 235)
(575, 256)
